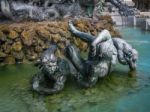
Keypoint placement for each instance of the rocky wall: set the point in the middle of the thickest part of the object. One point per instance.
(24, 42)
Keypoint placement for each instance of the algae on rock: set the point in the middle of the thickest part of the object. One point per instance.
(26, 40)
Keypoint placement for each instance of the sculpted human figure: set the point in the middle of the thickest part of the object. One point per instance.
(126, 54)
(103, 52)
(55, 9)
(16, 10)
(39, 10)
(54, 70)
(102, 56)
(53, 73)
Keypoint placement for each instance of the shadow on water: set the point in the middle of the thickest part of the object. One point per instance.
(121, 91)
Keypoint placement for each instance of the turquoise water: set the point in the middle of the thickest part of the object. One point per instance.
(122, 91)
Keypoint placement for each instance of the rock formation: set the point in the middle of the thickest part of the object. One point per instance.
(24, 42)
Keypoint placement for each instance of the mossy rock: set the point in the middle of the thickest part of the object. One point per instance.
(42, 32)
(18, 29)
(2, 54)
(17, 46)
(10, 60)
(2, 36)
(61, 45)
(18, 55)
(27, 37)
(32, 57)
(56, 38)
(6, 48)
(13, 34)
(5, 28)
(53, 30)
(38, 49)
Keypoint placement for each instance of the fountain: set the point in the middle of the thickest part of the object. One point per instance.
(24, 40)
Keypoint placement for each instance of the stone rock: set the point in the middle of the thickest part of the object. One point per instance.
(18, 55)
(10, 60)
(6, 48)
(106, 18)
(9, 41)
(61, 32)
(61, 45)
(42, 32)
(5, 28)
(27, 37)
(27, 40)
(18, 29)
(55, 37)
(68, 35)
(2, 54)
(53, 30)
(83, 25)
(17, 46)
(99, 26)
(32, 57)
(2, 36)
(62, 25)
(13, 34)
(38, 49)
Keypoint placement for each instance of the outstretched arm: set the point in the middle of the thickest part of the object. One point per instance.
(83, 36)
